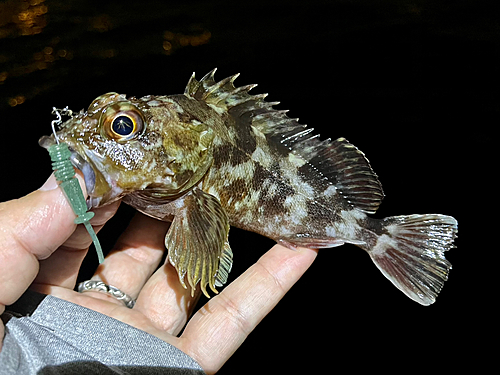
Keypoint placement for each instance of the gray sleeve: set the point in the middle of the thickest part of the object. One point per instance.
(59, 337)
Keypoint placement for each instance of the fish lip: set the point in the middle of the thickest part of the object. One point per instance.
(80, 163)
(86, 168)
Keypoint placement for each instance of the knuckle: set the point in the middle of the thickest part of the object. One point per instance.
(234, 314)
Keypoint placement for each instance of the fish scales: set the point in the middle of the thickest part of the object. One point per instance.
(217, 156)
(263, 186)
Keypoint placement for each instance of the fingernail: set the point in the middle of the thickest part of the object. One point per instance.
(50, 184)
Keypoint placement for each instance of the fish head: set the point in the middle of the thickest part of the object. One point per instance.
(124, 146)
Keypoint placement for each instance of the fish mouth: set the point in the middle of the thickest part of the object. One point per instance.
(80, 163)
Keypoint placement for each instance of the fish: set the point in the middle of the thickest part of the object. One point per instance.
(217, 156)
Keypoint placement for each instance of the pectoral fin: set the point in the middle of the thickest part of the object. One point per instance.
(197, 241)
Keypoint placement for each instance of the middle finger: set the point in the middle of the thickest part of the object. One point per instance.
(134, 258)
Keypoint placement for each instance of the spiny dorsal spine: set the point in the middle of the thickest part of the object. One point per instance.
(339, 161)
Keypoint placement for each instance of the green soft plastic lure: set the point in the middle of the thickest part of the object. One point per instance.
(65, 175)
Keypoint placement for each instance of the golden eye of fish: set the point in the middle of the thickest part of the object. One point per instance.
(122, 122)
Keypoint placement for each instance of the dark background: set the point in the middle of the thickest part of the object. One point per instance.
(413, 84)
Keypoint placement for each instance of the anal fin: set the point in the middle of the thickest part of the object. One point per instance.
(298, 240)
(225, 265)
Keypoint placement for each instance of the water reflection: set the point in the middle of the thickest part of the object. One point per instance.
(174, 41)
(62, 37)
(22, 17)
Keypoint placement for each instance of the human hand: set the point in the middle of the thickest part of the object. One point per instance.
(42, 249)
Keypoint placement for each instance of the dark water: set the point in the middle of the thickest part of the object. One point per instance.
(413, 84)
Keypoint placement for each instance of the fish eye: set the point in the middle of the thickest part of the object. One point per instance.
(123, 125)
(122, 122)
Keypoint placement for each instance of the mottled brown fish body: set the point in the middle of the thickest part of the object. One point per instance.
(217, 156)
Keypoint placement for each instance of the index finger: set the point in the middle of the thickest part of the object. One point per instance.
(221, 326)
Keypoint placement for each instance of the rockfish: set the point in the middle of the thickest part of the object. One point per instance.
(217, 156)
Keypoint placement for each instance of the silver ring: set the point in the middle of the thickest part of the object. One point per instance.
(99, 286)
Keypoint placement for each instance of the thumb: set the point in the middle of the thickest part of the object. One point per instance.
(32, 228)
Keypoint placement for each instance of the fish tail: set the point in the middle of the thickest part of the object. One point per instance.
(409, 250)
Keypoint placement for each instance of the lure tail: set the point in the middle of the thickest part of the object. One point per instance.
(410, 250)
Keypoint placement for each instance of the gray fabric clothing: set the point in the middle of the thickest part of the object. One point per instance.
(47, 335)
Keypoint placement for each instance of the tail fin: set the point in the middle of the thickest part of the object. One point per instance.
(410, 252)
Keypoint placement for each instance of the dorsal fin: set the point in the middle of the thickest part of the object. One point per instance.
(339, 161)
(351, 173)
(223, 94)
